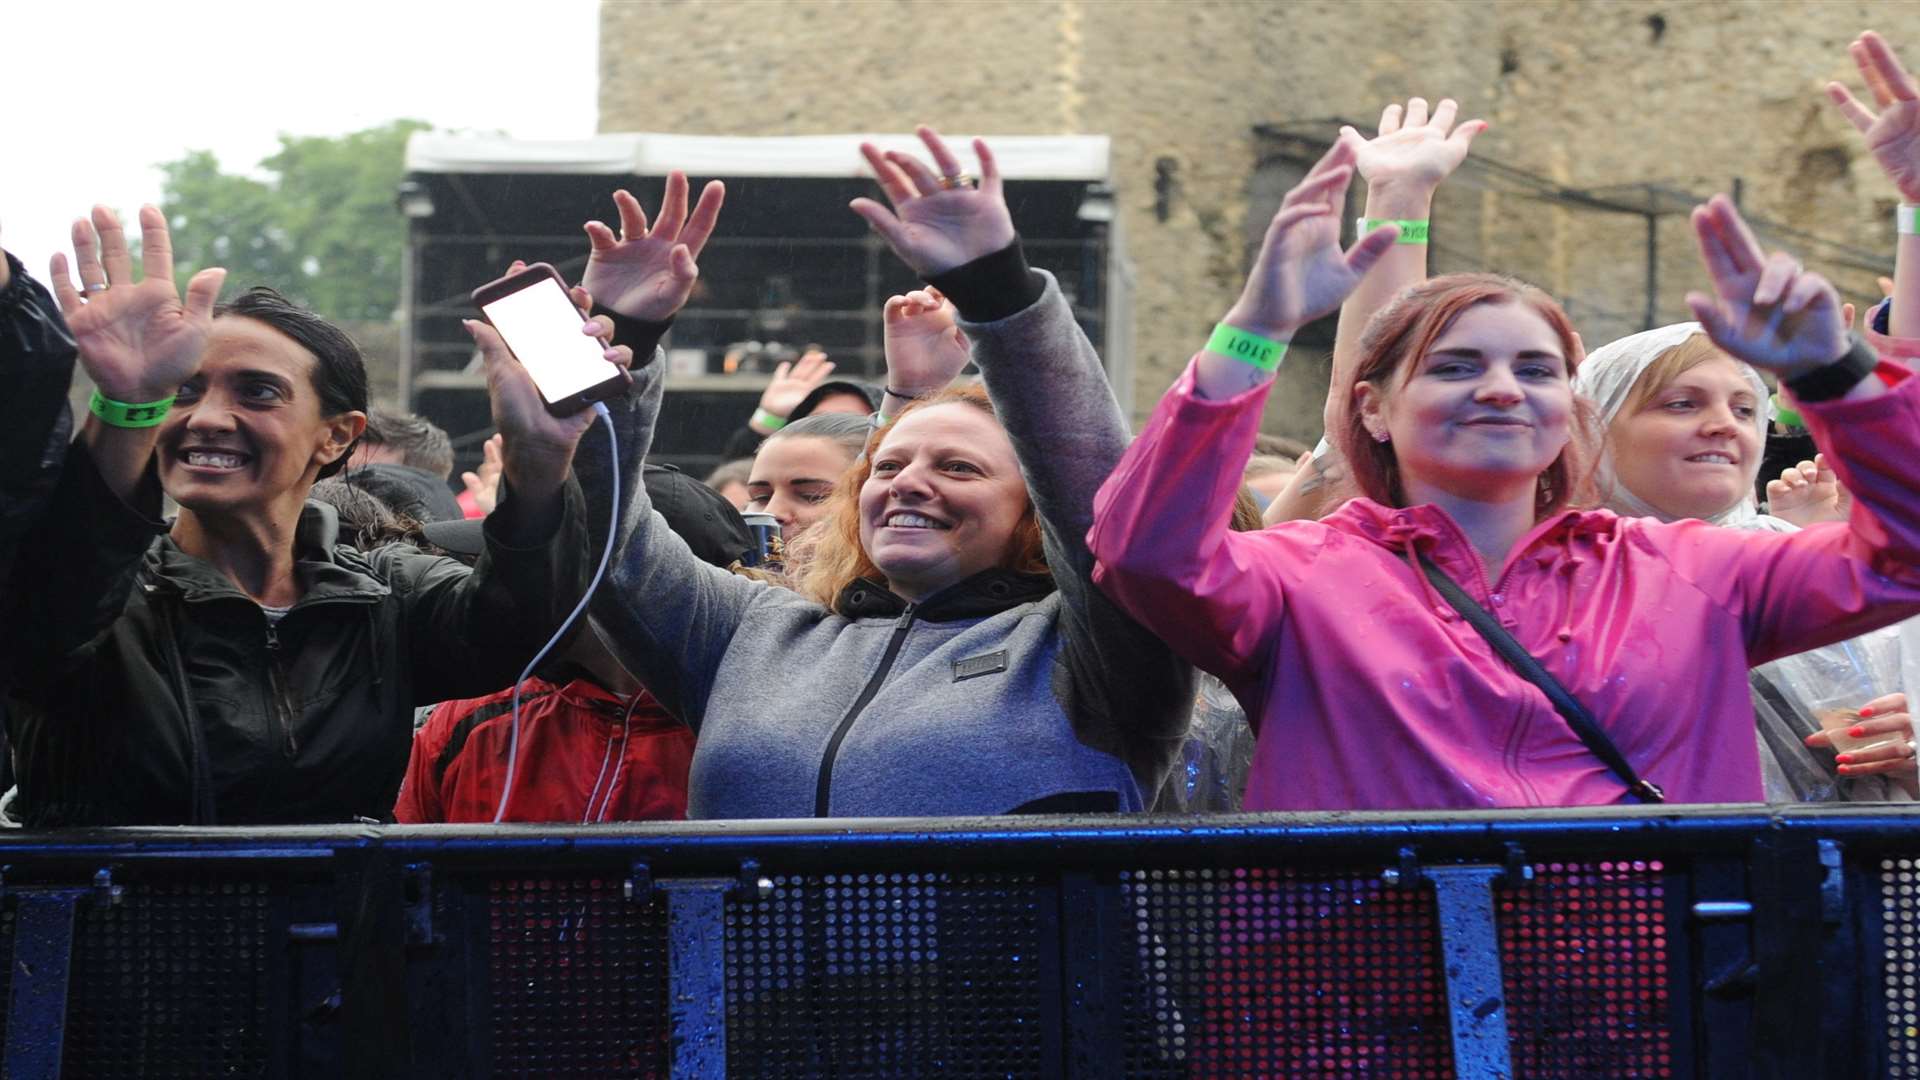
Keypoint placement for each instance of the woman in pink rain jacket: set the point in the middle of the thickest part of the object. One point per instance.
(1366, 689)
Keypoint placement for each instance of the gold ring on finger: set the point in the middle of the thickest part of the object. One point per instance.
(960, 180)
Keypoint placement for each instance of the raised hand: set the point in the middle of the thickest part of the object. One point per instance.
(1808, 493)
(925, 346)
(649, 273)
(1893, 132)
(1413, 149)
(536, 447)
(938, 221)
(483, 483)
(791, 383)
(1769, 311)
(1301, 273)
(137, 340)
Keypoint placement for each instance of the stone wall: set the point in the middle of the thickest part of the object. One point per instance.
(1687, 93)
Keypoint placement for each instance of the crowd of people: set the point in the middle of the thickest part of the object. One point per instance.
(1514, 573)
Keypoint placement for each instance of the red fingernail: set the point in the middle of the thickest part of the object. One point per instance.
(1866, 710)
(1857, 732)
(1844, 758)
(1845, 770)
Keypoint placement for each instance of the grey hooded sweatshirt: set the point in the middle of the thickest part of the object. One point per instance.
(1002, 693)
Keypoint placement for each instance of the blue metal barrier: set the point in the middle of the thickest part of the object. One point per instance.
(1716, 942)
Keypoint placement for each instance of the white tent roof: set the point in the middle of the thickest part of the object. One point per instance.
(1021, 157)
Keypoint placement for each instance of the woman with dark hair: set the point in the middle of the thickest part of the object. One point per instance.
(949, 654)
(241, 664)
(797, 468)
(1352, 640)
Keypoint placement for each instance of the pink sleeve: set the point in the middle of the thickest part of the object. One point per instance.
(1160, 540)
(1827, 583)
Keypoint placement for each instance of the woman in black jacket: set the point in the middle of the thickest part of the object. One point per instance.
(238, 664)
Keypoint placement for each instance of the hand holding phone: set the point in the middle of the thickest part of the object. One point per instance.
(537, 320)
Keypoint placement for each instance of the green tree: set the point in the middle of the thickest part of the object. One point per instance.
(320, 225)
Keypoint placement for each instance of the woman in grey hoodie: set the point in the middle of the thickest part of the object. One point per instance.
(941, 664)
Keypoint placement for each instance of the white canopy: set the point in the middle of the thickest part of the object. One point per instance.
(1021, 157)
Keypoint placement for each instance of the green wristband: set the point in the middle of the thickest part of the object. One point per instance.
(1786, 415)
(769, 421)
(1411, 231)
(120, 414)
(1233, 342)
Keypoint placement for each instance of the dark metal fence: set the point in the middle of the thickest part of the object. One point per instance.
(1707, 942)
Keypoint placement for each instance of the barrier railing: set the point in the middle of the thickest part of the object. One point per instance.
(1705, 942)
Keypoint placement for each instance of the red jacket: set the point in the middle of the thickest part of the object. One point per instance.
(572, 765)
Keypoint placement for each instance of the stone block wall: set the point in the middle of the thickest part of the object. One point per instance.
(1588, 93)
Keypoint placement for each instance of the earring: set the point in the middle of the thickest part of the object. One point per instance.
(1382, 437)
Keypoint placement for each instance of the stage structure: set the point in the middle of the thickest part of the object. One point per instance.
(790, 265)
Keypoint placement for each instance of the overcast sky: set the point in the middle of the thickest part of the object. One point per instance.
(103, 91)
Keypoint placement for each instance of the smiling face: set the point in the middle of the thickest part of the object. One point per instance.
(1483, 413)
(792, 479)
(247, 432)
(943, 500)
(1690, 448)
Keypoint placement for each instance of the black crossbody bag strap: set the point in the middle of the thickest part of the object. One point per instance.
(1569, 707)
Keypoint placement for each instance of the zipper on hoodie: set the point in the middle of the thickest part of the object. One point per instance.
(824, 791)
(276, 674)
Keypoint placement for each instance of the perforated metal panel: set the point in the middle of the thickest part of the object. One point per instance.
(577, 979)
(1900, 922)
(1284, 973)
(1583, 947)
(171, 982)
(887, 975)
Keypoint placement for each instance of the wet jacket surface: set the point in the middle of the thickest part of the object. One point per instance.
(586, 754)
(36, 357)
(1369, 692)
(305, 721)
(1000, 693)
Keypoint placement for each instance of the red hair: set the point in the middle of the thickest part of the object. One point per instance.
(1405, 330)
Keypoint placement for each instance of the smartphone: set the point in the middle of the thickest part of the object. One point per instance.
(539, 323)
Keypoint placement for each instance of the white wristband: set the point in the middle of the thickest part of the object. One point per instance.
(1903, 220)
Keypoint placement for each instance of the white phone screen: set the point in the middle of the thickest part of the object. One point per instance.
(542, 327)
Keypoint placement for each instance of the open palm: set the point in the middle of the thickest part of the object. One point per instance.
(936, 224)
(649, 273)
(1301, 273)
(1412, 147)
(138, 341)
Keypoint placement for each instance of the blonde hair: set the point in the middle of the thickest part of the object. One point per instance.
(836, 558)
(1668, 366)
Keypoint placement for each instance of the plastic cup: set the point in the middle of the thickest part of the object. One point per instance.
(1835, 718)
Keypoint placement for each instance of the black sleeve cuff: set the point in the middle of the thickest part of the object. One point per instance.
(992, 287)
(641, 335)
(1838, 378)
